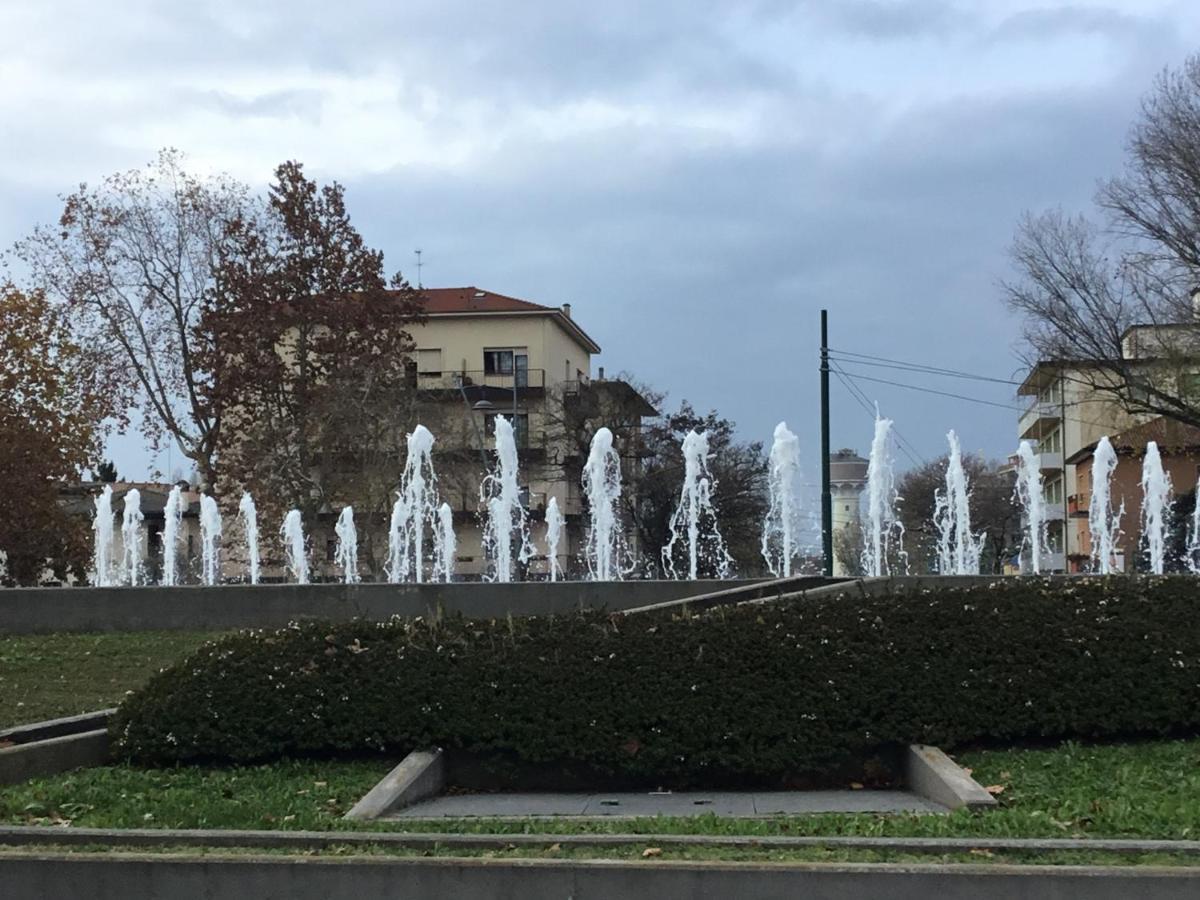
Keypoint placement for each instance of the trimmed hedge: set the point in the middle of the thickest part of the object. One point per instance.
(758, 692)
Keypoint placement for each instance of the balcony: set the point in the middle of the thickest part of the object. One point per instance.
(1049, 462)
(530, 382)
(1041, 417)
(1078, 505)
(1053, 511)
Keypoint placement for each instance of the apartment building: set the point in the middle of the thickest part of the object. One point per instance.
(480, 355)
(1070, 408)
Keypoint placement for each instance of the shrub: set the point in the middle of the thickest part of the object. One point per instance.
(754, 692)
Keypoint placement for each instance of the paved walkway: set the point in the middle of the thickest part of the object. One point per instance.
(721, 803)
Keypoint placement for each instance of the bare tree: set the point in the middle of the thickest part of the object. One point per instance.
(133, 262)
(1082, 285)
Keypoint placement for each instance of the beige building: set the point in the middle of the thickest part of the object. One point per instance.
(1067, 412)
(847, 478)
(480, 355)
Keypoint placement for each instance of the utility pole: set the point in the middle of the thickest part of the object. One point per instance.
(419, 285)
(826, 491)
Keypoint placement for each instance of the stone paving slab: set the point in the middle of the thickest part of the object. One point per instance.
(737, 804)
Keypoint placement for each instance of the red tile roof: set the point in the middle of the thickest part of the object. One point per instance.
(472, 299)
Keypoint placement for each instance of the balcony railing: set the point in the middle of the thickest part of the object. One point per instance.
(1039, 417)
(1078, 505)
(474, 379)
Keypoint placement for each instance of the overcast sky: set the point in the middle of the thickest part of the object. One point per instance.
(697, 179)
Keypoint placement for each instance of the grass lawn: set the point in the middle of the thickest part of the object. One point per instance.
(1147, 790)
(46, 676)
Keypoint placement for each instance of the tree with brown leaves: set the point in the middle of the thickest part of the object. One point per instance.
(52, 404)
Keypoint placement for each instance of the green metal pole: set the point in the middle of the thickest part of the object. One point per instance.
(826, 491)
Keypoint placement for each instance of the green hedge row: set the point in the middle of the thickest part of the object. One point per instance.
(753, 692)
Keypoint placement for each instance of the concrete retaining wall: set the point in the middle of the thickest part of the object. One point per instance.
(193, 608)
(118, 877)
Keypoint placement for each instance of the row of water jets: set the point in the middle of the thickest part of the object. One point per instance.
(421, 537)
(959, 548)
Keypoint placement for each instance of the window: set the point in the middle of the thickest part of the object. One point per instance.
(497, 362)
(429, 362)
(330, 551)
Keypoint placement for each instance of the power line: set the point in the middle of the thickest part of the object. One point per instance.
(916, 387)
(857, 393)
(923, 370)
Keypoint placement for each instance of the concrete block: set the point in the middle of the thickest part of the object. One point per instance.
(39, 731)
(420, 775)
(53, 755)
(931, 774)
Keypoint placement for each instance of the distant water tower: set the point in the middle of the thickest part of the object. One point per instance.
(847, 478)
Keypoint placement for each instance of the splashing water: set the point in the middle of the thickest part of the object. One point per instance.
(783, 522)
(445, 545)
(554, 529)
(102, 525)
(415, 510)
(210, 531)
(1156, 506)
(881, 525)
(1193, 541)
(346, 553)
(293, 546)
(605, 546)
(958, 549)
(249, 517)
(172, 526)
(1103, 523)
(694, 510)
(131, 537)
(506, 524)
(1029, 495)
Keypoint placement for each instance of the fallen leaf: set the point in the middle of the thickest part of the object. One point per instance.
(554, 848)
(651, 851)
(978, 851)
(856, 786)
(995, 789)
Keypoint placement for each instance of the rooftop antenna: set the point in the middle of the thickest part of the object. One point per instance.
(419, 285)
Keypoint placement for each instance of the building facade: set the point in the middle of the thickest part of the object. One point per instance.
(847, 478)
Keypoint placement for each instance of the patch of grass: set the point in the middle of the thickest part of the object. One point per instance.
(1132, 790)
(49, 675)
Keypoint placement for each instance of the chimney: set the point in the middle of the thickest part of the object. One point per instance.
(566, 309)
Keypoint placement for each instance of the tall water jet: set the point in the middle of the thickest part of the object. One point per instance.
(1103, 523)
(554, 530)
(959, 550)
(131, 537)
(102, 526)
(1029, 495)
(292, 531)
(249, 517)
(172, 527)
(506, 523)
(1193, 540)
(605, 544)
(415, 510)
(695, 509)
(881, 525)
(1156, 506)
(783, 523)
(345, 555)
(445, 545)
(210, 532)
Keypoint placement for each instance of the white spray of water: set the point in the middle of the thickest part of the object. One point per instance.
(102, 525)
(1193, 538)
(881, 525)
(445, 544)
(293, 546)
(249, 516)
(346, 553)
(1103, 522)
(554, 530)
(172, 526)
(694, 509)
(1156, 506)
(210, 531)
(783, 522)
(1029, 495)
(959, 549)
(131, 537)
(506, 524)
(415, 510)
(605, 546)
